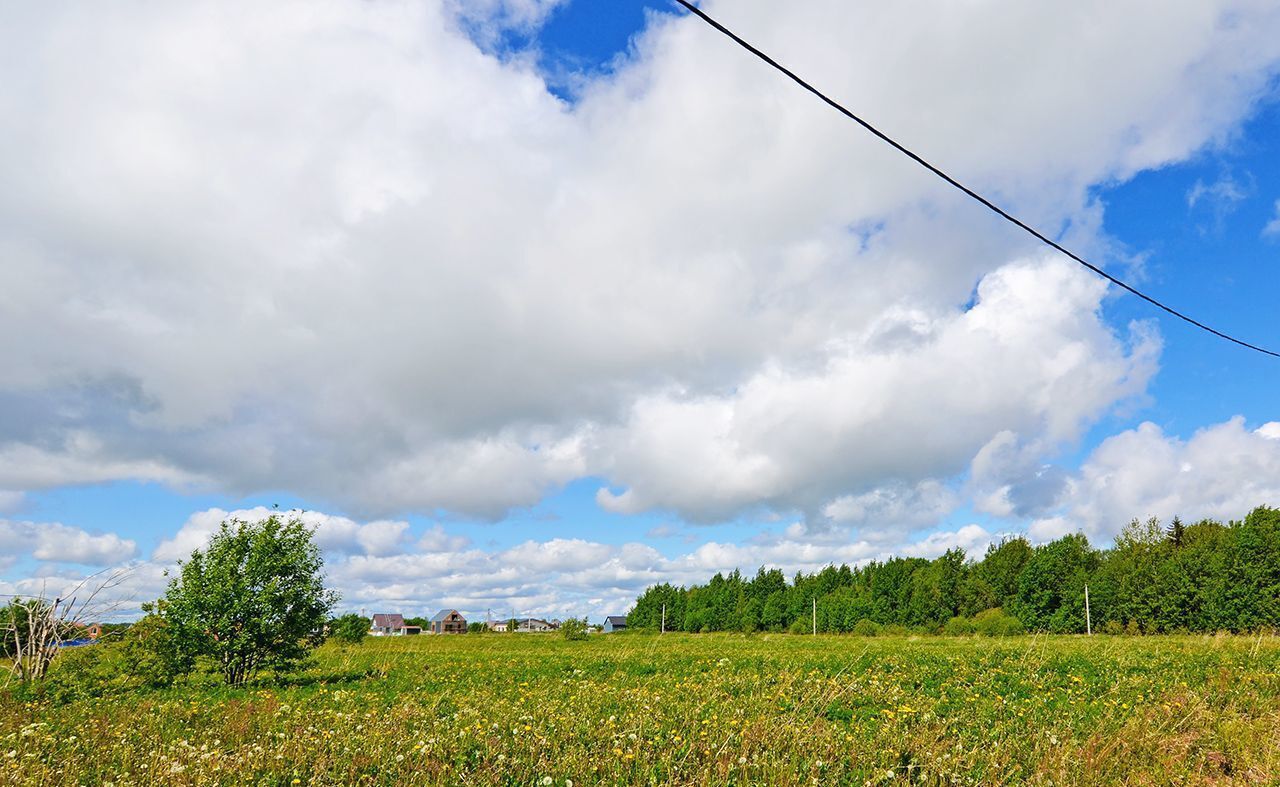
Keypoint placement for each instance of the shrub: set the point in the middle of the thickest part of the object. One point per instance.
(866, 628)
(959, 626)
(1113, 627)
(995, 623)
(151, 653)
(574, 629)
(85, 671)
(145, 657)
(349, 629)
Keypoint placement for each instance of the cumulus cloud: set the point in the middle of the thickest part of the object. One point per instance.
(874, 418)
(342, 250)
(335, 534)
(54, 542)
(1222, 471)
(554, 577)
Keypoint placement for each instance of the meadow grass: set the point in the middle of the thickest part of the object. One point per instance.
(685, 709)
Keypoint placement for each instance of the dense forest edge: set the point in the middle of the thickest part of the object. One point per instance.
(1202, 577)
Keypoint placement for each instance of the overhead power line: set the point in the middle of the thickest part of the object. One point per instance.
(994, 208)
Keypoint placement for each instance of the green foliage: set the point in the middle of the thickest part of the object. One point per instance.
(145, 656)
(13, 618)
(152, 653)
(959, 626)
(476, 627)
(866, 628)
(86, 671)
(350, 629)
(574, 629)
(253, 600)
(995, 623)
(1051, 587)
(1200, 577)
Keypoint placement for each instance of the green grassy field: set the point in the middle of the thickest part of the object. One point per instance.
(683, 709)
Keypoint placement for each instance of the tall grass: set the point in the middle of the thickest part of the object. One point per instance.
(684, 709)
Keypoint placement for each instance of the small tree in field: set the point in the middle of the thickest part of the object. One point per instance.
(349, 629)
(254, 599)
(574, 629)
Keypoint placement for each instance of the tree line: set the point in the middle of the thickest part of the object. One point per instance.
(1201, 577)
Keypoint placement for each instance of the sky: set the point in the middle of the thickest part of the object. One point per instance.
(525, 305)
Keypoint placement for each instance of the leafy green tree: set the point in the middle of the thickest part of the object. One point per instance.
(253, 600)
(1051, 586)
(1001, 569)
(1200, 577)
(1254, 571)
(647, 613)
(349, 629)
(476, 627)
(774, 615)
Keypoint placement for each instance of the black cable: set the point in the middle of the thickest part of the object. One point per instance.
(970, 192)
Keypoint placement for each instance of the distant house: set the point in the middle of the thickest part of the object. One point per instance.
(535, 625)
(614, 623)
(499, 626)
(391, 625)
(94, 631)
(448, 621)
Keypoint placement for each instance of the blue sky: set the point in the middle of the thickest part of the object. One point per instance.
(537, 305)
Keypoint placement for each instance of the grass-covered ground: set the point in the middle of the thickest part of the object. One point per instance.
(683, 709)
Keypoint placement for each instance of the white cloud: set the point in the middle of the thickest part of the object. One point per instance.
(872, 417)
(487, 19)
(59, 543)
(555, 577)
(1273, 227)
(973, 539)
(1222, 471)
(924, 504)
(338, 249)
(335, 534)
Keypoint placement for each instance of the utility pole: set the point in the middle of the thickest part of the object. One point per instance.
(663, 630)
(815, 616)
(1088, 623)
